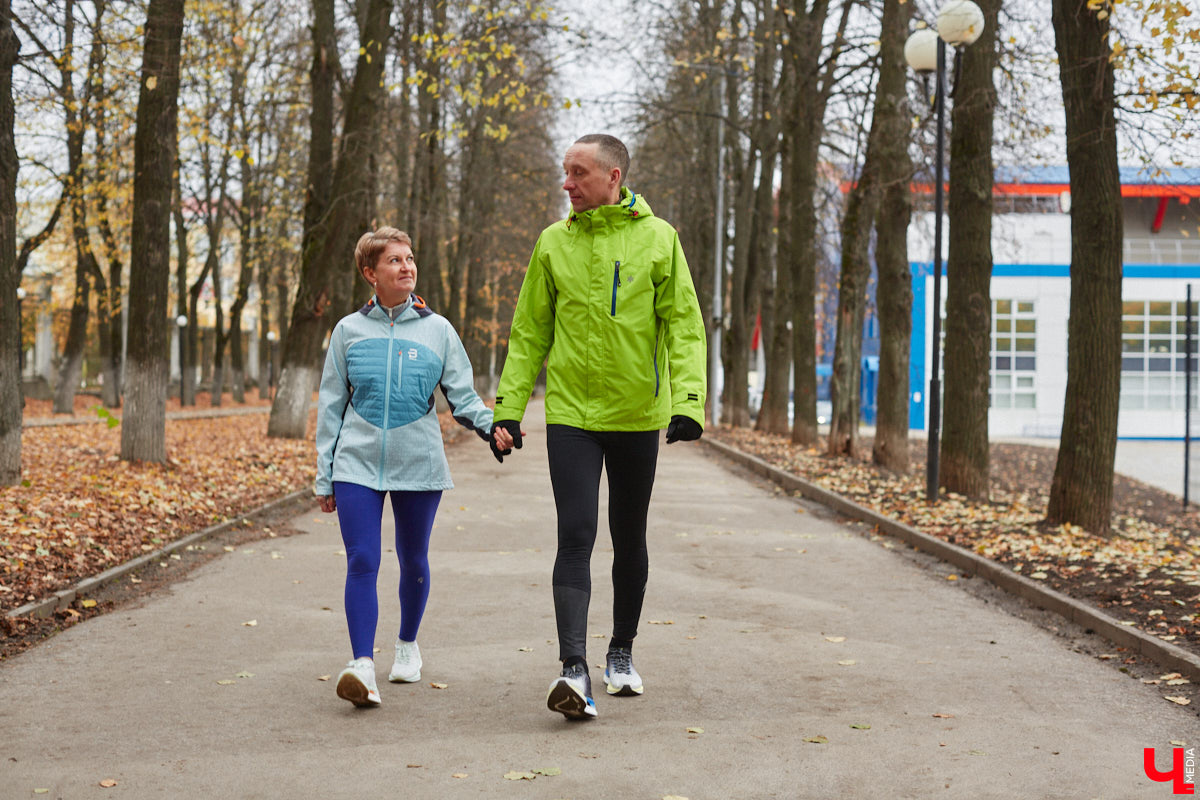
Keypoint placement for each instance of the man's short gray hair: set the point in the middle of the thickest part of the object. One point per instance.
(610, 151)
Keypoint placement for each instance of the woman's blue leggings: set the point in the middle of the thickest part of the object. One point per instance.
(360, 513)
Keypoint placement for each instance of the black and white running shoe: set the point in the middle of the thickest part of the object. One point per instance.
(620, 675)
(571, 694)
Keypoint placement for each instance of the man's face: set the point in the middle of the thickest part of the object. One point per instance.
(586, 182)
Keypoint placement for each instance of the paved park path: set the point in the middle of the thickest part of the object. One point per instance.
(767, 623)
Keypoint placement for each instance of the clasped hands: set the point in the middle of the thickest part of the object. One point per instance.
(507, 434)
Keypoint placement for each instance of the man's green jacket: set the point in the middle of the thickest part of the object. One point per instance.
(609, 301)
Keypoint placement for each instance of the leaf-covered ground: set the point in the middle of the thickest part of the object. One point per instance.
(1146, 574)
(81, 510)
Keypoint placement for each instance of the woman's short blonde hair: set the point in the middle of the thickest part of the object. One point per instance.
(372, 244)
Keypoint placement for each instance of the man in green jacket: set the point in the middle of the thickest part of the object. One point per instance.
(608, 304)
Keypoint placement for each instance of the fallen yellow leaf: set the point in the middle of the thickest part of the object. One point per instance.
(438, 685)
(250, 623)
(519, 776)
(459, 775)
(108, 783)
(1183, 701)
(695, 730)
(88, 603)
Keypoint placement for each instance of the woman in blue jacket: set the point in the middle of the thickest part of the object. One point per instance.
(378, 434)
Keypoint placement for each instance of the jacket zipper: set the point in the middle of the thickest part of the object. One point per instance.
(655, 359)
(387, 401)
(616, 283)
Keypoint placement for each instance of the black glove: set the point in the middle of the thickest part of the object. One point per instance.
(683, 429)
(514, 429)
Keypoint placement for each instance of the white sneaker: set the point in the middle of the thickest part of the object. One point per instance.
(620, 675)
(407, 667)
(356, 683)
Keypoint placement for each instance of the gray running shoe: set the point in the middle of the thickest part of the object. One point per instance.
(571, 694)
(620, 675)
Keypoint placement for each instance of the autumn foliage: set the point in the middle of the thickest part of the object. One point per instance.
(81, 510)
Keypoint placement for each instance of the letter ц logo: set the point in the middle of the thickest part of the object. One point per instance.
(1177, 774)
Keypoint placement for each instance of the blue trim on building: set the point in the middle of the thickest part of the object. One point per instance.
(1130, 175)
(1177, 271)
(921, 270)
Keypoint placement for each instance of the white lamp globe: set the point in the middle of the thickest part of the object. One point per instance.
(920, 51)
(181, 321)
(960, 22)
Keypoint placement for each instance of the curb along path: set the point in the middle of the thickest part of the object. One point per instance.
(62, 599)
(1163, 653)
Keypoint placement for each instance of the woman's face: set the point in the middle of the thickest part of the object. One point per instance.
(394, 275)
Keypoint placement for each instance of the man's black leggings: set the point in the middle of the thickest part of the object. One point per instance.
(576, 458)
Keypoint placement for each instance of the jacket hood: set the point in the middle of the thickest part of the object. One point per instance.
(630, 205)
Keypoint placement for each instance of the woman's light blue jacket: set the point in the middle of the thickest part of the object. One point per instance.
(376, 424)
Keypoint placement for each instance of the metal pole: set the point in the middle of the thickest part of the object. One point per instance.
(716, 372)
(1187, 397)
(21, 345)
(935, 382)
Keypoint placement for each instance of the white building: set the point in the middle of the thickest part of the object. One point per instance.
(1031, 288)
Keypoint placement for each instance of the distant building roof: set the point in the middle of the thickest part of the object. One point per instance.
(1049, 180)
(1130, 176)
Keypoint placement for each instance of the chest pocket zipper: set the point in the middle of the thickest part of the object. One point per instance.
(616, 283)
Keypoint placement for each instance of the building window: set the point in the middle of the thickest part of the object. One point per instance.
(1153, 348)
(1014, 354)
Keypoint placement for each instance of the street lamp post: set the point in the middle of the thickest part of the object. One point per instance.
(21, 344)
(959, 23)
(271, 364)
(181, 322)
(20, 332)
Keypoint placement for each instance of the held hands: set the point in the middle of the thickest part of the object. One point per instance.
(505, 436)
(683, 429)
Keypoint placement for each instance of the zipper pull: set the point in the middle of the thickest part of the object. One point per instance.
(617, 271)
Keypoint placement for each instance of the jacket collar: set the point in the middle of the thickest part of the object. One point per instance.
(629, 206)
(414, 308)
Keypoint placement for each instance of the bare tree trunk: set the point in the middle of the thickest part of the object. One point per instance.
(1081, 492)
(887, 135)
(10, 276)
(143, 427)
(430, 177)
(736, 350)
(187, 332)
(964, 438)
(777, 337)
(86, 267)
(814, 82)
(893, 294)
(333, 242)
(477, 206)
